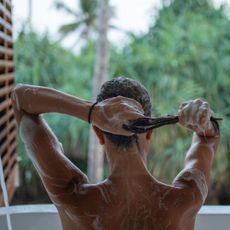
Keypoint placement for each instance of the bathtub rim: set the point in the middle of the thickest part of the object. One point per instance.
(34, 208)
(50, 208)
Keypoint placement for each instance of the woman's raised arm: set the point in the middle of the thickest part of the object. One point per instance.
(108, 115)
(36, 100)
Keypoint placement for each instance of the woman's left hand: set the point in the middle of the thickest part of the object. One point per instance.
(110, 114)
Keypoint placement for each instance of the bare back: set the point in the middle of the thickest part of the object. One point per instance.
(132, 198)
(124, 205)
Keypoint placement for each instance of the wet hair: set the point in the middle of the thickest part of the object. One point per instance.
(130, 88)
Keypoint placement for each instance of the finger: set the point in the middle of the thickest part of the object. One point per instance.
(126, 130)
(183, 104)
(134, 116)
(198, 101)
(202, 112)
(205, 103)
(188, 114)
(126, 133)
(212, 113)
(181, 116)
(133, 108)
(132, 101)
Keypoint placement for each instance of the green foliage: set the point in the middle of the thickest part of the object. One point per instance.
(42, 62)
(184, 55)
(89, 7)
(84, 19)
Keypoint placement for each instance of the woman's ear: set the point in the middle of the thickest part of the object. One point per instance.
(149, 134)
(99, 134)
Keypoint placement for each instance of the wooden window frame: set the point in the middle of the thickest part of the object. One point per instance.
(7, 122)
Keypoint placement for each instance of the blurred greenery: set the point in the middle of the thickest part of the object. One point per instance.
(42, 62)
(184, 55)
(84, 22)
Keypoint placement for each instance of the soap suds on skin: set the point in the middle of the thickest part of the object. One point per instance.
(97, 224)
(198, 177)
(105, 195)
(196, 114)
(161, 199)
(140, 210)
(15, 97)
(116, 119)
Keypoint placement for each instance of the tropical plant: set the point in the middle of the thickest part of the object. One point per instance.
(95, 154)
(40, 61)
(184, 55)
(84, 19)
(92, 17)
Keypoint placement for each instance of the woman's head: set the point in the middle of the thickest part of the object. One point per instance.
(130, 88)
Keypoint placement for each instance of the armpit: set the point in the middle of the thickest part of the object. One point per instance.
(197, 177)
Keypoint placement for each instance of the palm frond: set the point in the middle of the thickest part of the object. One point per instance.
(113, 27)
(83, 35)
(89, 6)
(59, 5)
(70, 27)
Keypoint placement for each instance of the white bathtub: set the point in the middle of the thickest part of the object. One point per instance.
(31, 217)
(44, 217)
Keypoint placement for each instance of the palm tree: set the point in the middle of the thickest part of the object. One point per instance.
(30, 11)
(84, 20)
(92, 19)
(95, 155)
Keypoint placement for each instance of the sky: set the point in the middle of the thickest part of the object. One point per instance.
(131, 15)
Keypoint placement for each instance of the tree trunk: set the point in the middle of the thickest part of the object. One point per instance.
(95, 154)
(30, 10)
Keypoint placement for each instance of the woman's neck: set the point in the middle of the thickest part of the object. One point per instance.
(128, 162)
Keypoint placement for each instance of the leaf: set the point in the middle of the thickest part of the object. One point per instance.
(59, 5)
(70, 27)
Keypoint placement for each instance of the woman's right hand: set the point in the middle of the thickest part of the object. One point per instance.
(110, 115)
(196, 116)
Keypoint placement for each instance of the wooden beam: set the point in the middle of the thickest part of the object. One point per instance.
(6, 116)
(5, 24)
(6, 63)
(6, 90)
(6, 131)
(6, 37)
(7, 143)
(5, 104)
(5, 11)
(6, 77)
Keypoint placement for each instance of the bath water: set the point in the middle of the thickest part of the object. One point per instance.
(5, 196)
